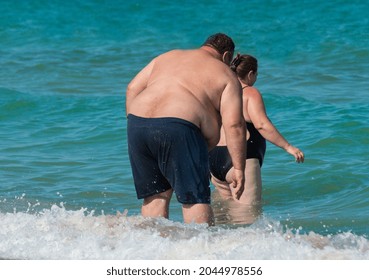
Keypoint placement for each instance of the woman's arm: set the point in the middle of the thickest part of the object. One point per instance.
(257, 113)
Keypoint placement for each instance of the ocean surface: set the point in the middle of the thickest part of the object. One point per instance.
(66, 189)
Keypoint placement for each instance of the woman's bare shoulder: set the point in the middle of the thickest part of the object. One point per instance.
(252, 93)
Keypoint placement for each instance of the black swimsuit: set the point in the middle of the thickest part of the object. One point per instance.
(221, 162)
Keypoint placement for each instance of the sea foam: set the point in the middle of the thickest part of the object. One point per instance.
(57, 233)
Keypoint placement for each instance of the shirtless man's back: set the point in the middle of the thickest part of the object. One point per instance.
(176, 106)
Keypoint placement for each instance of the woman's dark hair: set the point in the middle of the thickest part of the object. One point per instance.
(243, 64)
(220, 42)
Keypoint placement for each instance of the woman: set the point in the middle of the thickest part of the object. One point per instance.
(259, 129)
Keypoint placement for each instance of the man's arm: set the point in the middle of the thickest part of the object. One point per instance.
(138, 84)
(235, 132)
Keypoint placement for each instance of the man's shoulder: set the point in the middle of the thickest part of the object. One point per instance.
(175, 51)
(171, 53)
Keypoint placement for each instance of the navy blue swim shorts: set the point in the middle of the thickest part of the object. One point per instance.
(168, 153)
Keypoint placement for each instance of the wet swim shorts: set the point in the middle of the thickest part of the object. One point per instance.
(165, 153)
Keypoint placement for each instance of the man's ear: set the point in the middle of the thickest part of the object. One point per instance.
(227, 57)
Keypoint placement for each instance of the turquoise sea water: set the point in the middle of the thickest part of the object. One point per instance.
(64, 169)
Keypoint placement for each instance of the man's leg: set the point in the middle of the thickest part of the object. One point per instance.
(198, 213)
(157, 205)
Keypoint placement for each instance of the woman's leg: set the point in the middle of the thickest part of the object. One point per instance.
(253, 185)
(227, 209)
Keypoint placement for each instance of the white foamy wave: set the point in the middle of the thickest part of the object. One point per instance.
(58, 233)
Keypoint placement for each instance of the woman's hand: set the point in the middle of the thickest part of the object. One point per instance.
(296, 152)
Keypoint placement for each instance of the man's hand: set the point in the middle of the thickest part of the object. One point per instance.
(238, 183)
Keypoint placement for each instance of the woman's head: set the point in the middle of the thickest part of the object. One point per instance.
(246, 68)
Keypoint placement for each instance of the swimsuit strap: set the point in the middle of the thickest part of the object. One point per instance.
(245, 87)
